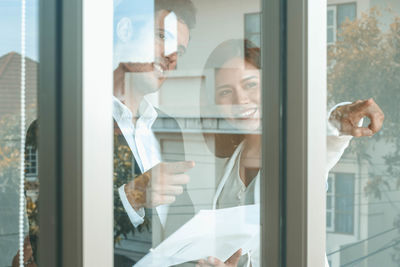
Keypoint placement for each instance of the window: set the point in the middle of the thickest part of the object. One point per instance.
(344, 12)
(330, 195)
(344, 203)
(331, 24)
(336, 15)
(252, 24)
(31, 161)
(340, 203)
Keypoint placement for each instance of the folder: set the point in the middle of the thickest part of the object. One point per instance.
(218, 233)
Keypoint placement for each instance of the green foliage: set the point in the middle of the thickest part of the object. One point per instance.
(122, 175)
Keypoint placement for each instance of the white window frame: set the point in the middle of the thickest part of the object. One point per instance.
(306, 133)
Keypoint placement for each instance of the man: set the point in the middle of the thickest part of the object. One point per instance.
(142, 180)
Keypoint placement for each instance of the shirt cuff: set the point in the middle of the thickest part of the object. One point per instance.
(136, 217)
(334, 127)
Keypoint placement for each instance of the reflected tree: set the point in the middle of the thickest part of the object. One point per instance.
(365, 63)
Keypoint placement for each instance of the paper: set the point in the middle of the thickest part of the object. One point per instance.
(218, 233)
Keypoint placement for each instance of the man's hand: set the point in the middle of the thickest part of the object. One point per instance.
(231, 262)
(348, 116)
(159, 185)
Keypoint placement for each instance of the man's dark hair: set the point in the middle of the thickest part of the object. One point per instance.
(183, 9)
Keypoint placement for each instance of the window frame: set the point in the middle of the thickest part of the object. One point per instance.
(71, 161)
(306, 133)
(294, 105)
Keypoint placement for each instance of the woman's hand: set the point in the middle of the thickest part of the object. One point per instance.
(212, 261)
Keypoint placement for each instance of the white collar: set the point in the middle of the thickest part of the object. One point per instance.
(146, 111)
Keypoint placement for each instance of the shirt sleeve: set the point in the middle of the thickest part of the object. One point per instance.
(136, 217)
(335, 142)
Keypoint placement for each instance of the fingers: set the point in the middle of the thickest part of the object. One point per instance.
(234, 259)
(165, 194)
(371, 110)
(215, 262)
(168, 189)
(231, 262)
(361, 131)
(165, 180)
(158, 199)
(178, 179)
(202, 263)
(377, 117)
(178, 167)
(351, 116)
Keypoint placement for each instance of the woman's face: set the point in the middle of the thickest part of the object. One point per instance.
(238, 94)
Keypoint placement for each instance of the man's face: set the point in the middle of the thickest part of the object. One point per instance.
(171, 38)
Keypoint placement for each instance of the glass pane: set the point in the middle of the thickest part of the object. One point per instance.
(187, 132)
(330, 17)
(363, 79)
(345, 12)
(252, 23)
(328, 202)
(331, 37)
(18, 204)
(328, 219)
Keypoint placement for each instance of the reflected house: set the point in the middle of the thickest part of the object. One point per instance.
(10, 107)
(360, 228)
(10, 82)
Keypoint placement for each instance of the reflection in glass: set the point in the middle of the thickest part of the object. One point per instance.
(18, 62)
(166, 164)
(363, 63)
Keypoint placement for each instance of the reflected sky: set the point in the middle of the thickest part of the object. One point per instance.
(133, 26)
(10, 27)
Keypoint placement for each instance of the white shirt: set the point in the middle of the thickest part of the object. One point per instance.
(144, 146)
(336, 144)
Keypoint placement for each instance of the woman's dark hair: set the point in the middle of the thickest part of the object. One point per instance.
(183, 9)
(221, 144)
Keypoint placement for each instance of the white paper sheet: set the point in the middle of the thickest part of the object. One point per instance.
(218, 233)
